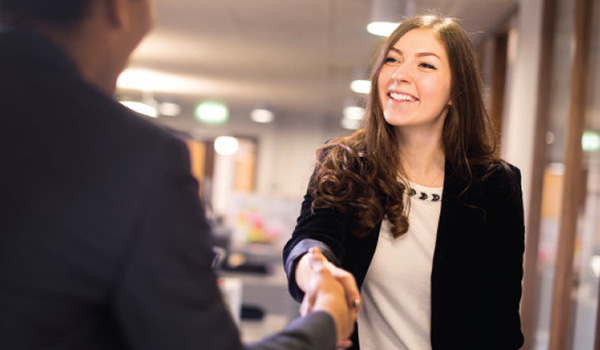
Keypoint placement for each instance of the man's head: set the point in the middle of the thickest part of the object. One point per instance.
(55, 12)
(99, 35)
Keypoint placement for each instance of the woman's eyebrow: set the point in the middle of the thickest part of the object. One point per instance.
(418, 54)
(421, 54)
(396, 50)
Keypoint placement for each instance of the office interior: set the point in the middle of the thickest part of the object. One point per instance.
(254, 87)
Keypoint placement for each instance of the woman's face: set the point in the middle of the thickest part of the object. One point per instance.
(414, 82)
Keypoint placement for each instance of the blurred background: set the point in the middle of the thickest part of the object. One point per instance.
(254, 86)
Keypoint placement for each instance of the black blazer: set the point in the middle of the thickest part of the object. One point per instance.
(477, 263)
(103, 241)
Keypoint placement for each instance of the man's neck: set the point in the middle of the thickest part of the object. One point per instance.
(88, 50)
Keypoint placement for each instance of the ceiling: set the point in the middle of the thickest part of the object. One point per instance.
(296, 56)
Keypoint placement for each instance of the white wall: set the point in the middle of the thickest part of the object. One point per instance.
(285, 152)
(286, 156)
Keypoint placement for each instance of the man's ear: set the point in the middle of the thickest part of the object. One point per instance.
(116, 12)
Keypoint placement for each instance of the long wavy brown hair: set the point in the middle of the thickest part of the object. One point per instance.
(358, 174)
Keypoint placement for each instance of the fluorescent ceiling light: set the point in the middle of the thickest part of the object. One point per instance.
(211, 112)
(141, 107)
(226, 145)
(361, 86)
(262, 115)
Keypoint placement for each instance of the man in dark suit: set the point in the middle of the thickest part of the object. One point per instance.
(103, 241)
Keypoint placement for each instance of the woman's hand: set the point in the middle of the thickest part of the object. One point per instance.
(307, 265)
(328, 286)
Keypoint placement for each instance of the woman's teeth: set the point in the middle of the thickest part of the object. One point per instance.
(401, 97)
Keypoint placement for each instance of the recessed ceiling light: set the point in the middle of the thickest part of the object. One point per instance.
(262, 115)
(353, 116)
(169, 109)
(226, 145)
(385, 15)
(361, 86)
(211, 112)
(350, 124)
(354, 113)
(382, 28)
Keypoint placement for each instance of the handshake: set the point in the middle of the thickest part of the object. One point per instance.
(331, 289)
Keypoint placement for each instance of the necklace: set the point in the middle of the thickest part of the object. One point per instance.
(433, 182)
(425, 196)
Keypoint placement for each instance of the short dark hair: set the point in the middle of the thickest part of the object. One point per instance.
(52, 12)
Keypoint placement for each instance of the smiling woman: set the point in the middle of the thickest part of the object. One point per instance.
(414, 83)
(417, 206)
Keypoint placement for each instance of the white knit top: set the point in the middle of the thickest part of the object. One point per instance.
(397, 288)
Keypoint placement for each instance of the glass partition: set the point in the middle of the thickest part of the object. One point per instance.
(587, 251)
(552, 189)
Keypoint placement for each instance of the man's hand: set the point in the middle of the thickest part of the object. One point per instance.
(327, 290)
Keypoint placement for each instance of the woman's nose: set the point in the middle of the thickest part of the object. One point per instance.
(401, 74)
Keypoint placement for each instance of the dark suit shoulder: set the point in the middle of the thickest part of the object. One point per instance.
(101, 118)
(498, 180)
(110, 116)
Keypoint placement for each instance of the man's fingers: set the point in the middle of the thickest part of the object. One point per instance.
(349, 283)
(344, 344)
(309, 299)
(304, 309)
(352, 293)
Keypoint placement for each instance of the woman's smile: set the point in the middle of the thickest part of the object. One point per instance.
(414, 81)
